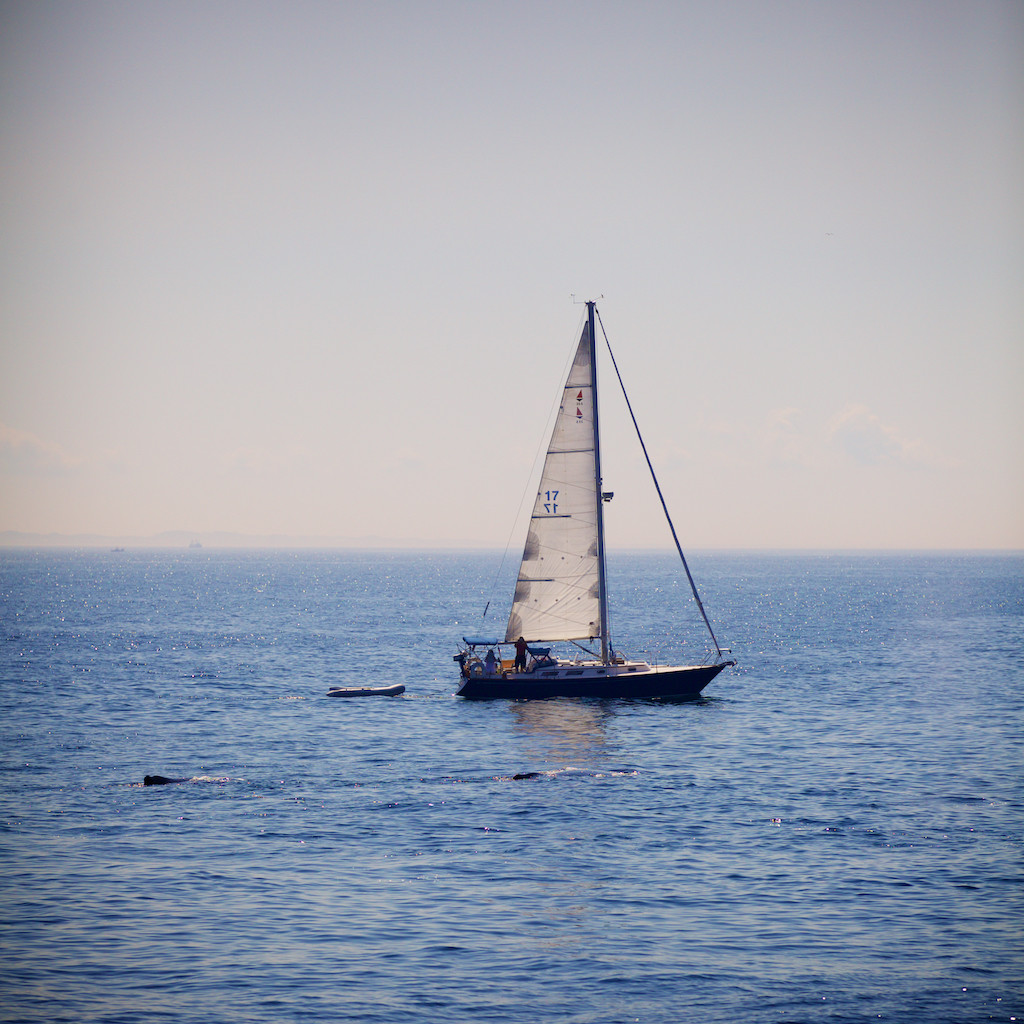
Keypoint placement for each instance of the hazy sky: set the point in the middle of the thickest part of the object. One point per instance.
(305, 268)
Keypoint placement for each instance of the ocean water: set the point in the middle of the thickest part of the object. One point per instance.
(833, 834)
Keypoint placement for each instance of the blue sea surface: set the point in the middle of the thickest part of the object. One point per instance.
(833, 834)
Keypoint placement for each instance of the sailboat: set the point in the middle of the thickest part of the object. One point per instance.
(561, 593)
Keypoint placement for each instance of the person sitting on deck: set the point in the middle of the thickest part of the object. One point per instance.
(520, 665)
(489, 663)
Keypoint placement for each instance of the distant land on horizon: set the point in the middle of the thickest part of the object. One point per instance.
(172, 539)
(215, 539)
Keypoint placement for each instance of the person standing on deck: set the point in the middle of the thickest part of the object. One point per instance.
(520, 665)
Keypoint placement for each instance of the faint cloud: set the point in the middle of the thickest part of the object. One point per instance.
(868, 441)
(785, 436)
(269, 460)
(855, 432)
(410, 466)
(25, 454)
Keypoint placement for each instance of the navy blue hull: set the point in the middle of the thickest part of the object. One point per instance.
(675, 683)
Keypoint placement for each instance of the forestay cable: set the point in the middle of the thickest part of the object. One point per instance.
(657, 487)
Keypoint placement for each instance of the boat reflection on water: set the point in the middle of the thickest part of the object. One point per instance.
(564, 732)
(564, 740)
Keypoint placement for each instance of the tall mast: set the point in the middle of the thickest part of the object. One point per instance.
(602, 592)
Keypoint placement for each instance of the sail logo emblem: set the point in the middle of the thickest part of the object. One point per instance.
(551, 505)
(579, 404)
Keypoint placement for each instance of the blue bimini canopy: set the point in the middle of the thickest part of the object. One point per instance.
(475, 641)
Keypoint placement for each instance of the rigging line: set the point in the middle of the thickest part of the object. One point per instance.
(657, 487)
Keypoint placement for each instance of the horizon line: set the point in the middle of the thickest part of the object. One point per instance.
(171, 540)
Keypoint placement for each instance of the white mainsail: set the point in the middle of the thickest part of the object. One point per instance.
(558, 591)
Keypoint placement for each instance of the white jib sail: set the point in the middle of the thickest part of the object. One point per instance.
(557, 595)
